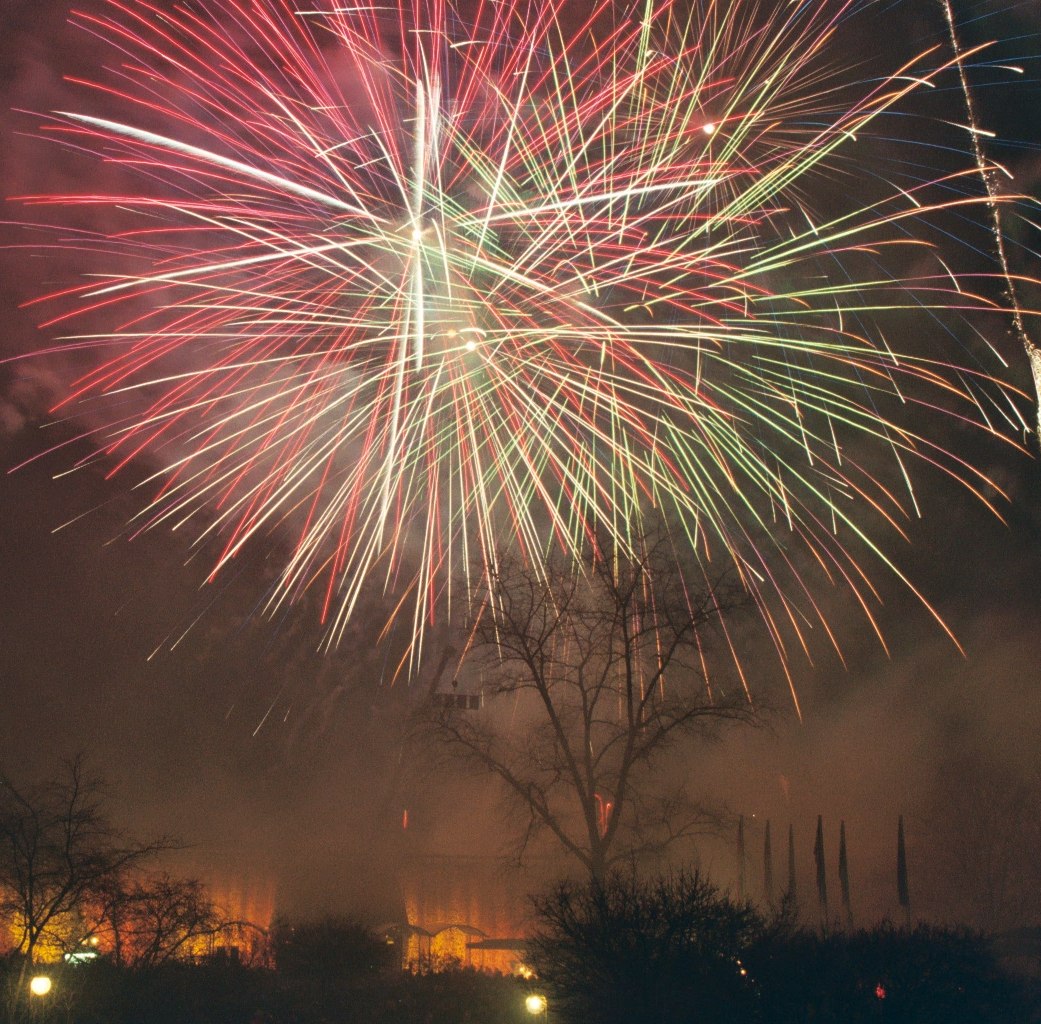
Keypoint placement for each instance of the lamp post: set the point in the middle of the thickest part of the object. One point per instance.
(40, 986)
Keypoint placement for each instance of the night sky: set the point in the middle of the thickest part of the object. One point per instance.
(283, 764)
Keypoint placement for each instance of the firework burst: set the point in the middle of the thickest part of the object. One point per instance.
(406, 283)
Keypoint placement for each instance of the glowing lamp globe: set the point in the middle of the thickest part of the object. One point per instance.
(40, 985)
(535, 1003)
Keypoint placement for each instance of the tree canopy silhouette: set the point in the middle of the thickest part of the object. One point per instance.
(587, 674)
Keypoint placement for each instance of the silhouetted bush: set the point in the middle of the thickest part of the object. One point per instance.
(222, 991)
(331, 949)
(679, 950)
(926, 975)
(662, 952)
(623, 950)
(218, 991)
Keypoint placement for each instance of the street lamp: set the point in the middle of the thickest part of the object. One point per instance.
(39, 985)
(536, 1004)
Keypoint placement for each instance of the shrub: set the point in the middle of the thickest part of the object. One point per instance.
(623, 950)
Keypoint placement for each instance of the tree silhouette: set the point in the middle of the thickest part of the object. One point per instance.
(670, 949)
(588, 675)
(58, 853)
(149, 921)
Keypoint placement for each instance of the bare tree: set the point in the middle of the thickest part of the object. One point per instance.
(58, 849)
(587, 675)
(152, 920)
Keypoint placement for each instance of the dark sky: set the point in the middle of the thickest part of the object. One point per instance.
(308, 797)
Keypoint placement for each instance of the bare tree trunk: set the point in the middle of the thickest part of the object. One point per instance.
(604, 665)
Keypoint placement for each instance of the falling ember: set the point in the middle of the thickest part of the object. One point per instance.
(408, 284)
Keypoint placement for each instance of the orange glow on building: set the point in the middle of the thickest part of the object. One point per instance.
(248, 900)
(462, 910)
(248, 906)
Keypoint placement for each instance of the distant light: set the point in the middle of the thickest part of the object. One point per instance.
(471, 346)
(535, 1003)
(880, 991)
(81, 956)
(40, 985)
(709, 128)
